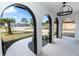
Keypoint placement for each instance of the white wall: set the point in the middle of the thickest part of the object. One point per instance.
(77, 30)
(60, 27)
(39, 12)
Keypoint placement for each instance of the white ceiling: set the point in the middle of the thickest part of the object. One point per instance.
(55, 6)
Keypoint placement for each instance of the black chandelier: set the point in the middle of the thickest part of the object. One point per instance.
(65, 10)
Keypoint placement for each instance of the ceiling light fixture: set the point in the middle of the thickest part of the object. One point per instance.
(65, 10)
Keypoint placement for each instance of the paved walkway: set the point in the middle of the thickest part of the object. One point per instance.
(20, 48)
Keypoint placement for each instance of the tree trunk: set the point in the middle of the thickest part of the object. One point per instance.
(9, 28)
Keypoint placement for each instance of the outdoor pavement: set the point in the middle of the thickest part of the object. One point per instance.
(20, 48)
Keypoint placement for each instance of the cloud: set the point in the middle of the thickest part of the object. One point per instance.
(10, 10)
(14, 17)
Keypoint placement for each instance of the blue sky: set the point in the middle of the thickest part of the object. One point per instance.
(18, 13)
(45, 18)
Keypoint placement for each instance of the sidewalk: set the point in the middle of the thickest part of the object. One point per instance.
(20, 48)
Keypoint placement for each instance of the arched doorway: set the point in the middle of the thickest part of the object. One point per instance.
(46, 30)
(68, 27)
(56, 25)
(18, 19)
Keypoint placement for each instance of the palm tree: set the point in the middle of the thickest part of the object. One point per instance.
(8, 21)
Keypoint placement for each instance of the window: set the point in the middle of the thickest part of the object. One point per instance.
(69, 27)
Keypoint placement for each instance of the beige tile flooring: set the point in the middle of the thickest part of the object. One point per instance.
(62, 47)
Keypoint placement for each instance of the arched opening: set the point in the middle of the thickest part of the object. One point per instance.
(46, 30)
(56, 25)
(18, 22)
(68, 27)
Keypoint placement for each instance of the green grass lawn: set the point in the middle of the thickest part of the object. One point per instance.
(17, 35)
(1, 28)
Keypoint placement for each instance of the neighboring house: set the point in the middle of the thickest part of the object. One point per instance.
(19, 25)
